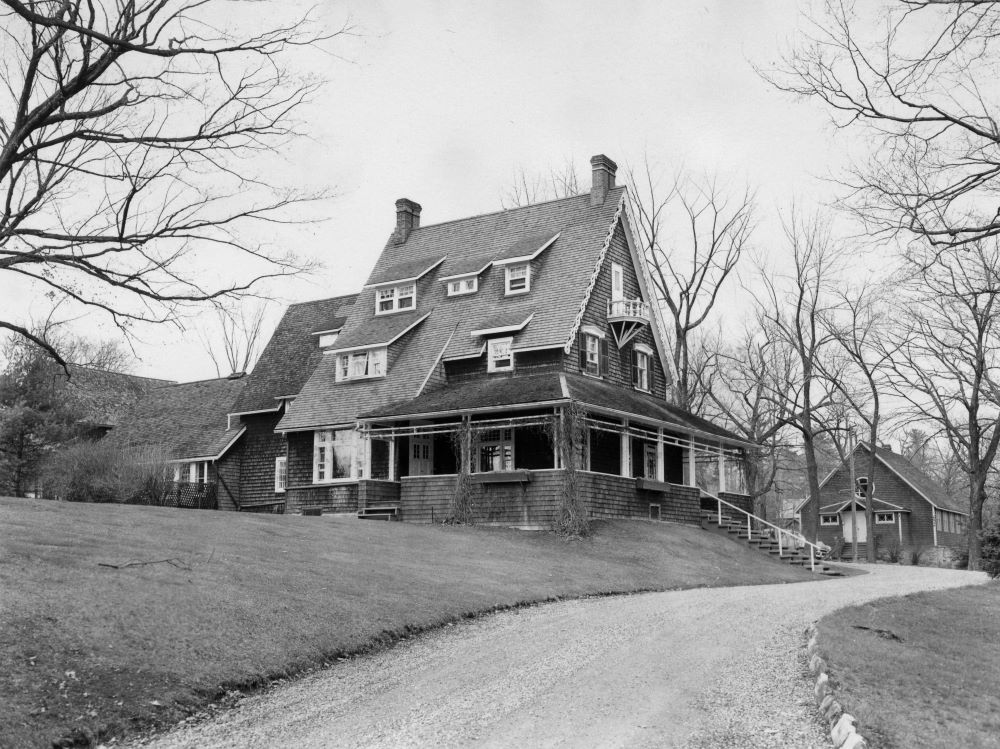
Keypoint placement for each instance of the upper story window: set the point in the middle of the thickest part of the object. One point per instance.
(361, 364)
(500, 356)
(467, 285)
(327, 339)
(641, 358)
(518, 279)
(617, 282)
(593, 351)
(395, 299)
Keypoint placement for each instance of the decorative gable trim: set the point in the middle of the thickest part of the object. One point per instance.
(567, 347)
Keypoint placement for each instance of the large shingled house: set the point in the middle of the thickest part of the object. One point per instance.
(910, 508)
(473, 349)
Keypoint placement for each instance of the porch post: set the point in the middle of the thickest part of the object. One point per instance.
(557, 442)
(722, 468)
(625, 469)
(660, 472)
(366, 456)
(392, 458)
(691, 479)
(466, 448)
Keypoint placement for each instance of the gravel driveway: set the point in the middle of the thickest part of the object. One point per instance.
(716, 667)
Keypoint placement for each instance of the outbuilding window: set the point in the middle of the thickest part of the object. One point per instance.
(884, 518)
(829, 520)
(280, 474)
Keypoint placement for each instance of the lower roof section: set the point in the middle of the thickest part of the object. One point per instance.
(552, 388)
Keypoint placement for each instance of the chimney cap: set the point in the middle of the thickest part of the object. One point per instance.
(235, 375)
(601, 161)
(410, 206)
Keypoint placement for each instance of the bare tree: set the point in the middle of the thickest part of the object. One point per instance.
(919, 78)
(693, 232)
(236, 338)
(127, 133)
(858, 324)
(525, 188)
(789, 314)
(948, 362)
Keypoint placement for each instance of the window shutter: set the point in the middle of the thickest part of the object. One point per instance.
(635, 367)
(582, 343)
(604, 356)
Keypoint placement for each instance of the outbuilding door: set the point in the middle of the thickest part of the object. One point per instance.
(846, 518)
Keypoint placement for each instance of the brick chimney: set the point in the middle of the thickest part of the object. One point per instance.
(603, 170)
(407, 218)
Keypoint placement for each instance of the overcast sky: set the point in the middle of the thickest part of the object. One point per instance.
(442, 102)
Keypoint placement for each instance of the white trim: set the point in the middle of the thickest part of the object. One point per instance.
(461, 283)
(398, 281)
(343, 425)
(259, 411)
(327, 332)
(459, 357)
(502, 329)
(593, 330)
(457, 276)
(460, 412)
(564, 386)
(527, 258)
(544, 347)
(391, 341)
(490, 366)
(829, 515)
(670, 426)
(643, 348)
(507, 291)
(890, 521)
(280, 459)
(396, 297)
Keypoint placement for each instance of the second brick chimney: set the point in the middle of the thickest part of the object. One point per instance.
(407, 218)
(603, 170)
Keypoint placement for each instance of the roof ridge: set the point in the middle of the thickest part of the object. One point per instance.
(90, 368)
(325, 299)
(509, 210)
(207, 379)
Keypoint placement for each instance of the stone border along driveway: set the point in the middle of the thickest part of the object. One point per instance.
(708, 668)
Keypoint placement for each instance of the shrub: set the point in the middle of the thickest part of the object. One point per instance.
(892, 550)
(837, 550)
(100, 472)
(990, 550)
(914, 554)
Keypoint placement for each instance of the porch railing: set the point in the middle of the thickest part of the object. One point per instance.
(633, 308)
(798, 538)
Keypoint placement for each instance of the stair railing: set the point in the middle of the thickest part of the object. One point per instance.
(814, 549)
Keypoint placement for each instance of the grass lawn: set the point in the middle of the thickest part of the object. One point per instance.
(938, 685)
(89, 651)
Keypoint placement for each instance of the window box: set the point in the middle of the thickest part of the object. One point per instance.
(502, 477)
(651, 485)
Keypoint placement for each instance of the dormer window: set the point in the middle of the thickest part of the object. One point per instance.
(467, 285)
(500, 356)
(360, 365)
(327, 339)
(395, 299)
(518, 279)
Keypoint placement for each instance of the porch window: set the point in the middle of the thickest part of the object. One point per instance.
(280, 474)
(501, 358)
(829, 520)
(884, 518)
(395, 299)
(361, 365)
(518, 279)
(496, 450)
(640, 367)
(336, 454)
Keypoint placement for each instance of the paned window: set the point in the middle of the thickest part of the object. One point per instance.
(395, 299)
(336, 455)
(496, 450)
(198, 472)
(593, 351)
(280, 473)
(885, 518)
(617, 282)
(518, 278)
(501, 358)
(361, 364)
(463, 286)
(640, 369)
(829, 520)
(592, 354)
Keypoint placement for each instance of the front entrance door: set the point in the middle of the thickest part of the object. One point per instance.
(847, 517)
(421, 455)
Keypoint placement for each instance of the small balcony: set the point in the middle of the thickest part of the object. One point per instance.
(628, 310)
(626, 318)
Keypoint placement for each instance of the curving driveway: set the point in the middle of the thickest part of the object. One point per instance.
(697, 668)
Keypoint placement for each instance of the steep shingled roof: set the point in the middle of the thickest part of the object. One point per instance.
(106, 397)
(292, 353)
(186, 420)
(927, 487)
(559, 281)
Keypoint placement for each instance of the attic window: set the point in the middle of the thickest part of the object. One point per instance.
(395, 299)
(501, 358)
(467, 285)
(361, 365)
(518, 279)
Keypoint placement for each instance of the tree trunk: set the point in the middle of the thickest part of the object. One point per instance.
(869, 496)
(810, 520)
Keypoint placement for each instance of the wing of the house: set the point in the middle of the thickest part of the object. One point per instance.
(909, 507)
(510, 328)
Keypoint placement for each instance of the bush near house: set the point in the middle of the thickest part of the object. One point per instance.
(920, 670)
(227, 600)
(100, 472)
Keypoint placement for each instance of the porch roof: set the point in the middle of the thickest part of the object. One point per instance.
(549, 389)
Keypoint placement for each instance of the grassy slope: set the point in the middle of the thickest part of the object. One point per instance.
(939, 687)
(87, 648)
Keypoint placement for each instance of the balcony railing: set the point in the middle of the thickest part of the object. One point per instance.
(634, 310)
